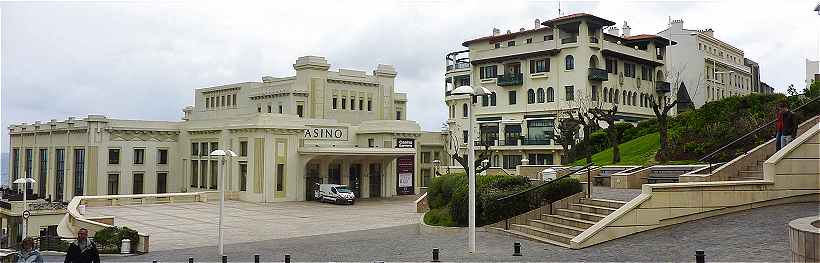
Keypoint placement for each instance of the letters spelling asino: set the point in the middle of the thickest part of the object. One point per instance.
(323, 133)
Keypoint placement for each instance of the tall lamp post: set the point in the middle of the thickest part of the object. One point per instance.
(222, 154)
(24, 182)
(477, 91)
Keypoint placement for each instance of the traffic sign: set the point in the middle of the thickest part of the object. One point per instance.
(26, 214)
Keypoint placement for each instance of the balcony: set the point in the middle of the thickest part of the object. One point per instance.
(507, 142)
(662, 86)
(572, 39)
(596, 74)
(459, 65)
(535, 142)
(510, 79)
(485, 142)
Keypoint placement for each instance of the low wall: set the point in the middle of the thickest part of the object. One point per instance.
(533, 171)
(804, 239)
(790, 175)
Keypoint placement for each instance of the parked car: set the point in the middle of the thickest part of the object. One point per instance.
(335, 193)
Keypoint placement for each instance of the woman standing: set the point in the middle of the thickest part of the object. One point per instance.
(28, 253)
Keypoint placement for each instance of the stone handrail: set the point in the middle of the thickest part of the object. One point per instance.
(74, 220)
(790, 175)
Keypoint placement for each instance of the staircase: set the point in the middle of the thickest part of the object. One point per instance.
(750, 172)
(559, 228)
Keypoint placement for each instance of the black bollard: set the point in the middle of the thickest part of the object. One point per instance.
(516, 249)
(256, 258)
(700, 256)
(190, 260)
(287, 258)
(224, 259)
(435, 255)
(154, 261)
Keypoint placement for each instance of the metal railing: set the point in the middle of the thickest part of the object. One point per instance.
(510, 79)
(532, 198)
(527, 141)
(567, 40)
(711, 156)
(459, 65)
(598, 74)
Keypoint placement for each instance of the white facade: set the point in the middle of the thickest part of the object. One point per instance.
(710, 68)
(812, 71)
(319, 126)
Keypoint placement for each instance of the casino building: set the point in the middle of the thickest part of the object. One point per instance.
(319, 126)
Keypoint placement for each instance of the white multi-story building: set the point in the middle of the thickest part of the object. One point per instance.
(812, 71)
(319, 126)
(709, 68)
(563, 64)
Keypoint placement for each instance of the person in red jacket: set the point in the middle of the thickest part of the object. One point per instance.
(785, 125)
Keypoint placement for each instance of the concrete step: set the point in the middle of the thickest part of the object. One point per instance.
(543, 233)
(536, 238)
(568, 221)
(580, 214)
(603, 202)
(745, 178)
(556, 227)
(593, 209)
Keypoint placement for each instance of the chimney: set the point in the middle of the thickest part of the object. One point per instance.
(677, 25)
(709, 32)
(522, 29)
(496, 31)
(613, 30)
(537, 23)
(509, 32)
(627, 30)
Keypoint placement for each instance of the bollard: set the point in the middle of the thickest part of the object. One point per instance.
(435, 255)
(154, 261)
(700, 256)
(256, 258)
(125, 247)
(516, 249)
(190, 260)
(287, 258)
(224, 259)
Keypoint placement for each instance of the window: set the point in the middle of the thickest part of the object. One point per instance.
(629, 70)
(137, 189)
(222, 100)
(162, 182)
(371, 142)
(280, 177)
(539, 95)
(485, 101)
(352, 103)
(612, 66)
(497, 45)
(492, 99)
(113, 184)
(594, 93)
(243, 176)
(59, 169)
(15, 172)
(537, 130)
(369, 105)
(548, 37)
(529, 40)
(465, 135)
(511, 43)
(29, 160)
(203, 149)
(361, 104)
(79, 171)
(259, 108)
(139, 156)
(511, 161)
(194, 174)
(299, 110)
(194, 148)
(530, 96)
(207, 100)
(214, 173)
(539, 65)
(550, 95)
(243, 148)
(425, 157)
(335, 103)
(464, 110)
(114, 156)
(511, 97)
(270, 109)
(398, 115)
(41, 184)
(162, 156)
(234, 99)
(488, 72)
(570, 91)
(344, 103)
(214, 146)
(646, 73)
(281, 109)
(203, 174)
(569, 62)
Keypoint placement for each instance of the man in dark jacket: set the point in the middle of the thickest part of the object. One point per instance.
(785, 125)
(83, 250)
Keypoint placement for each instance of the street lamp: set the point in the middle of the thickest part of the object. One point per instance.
(25, 182)
(222, 154)
(436, 164)
(477, 91)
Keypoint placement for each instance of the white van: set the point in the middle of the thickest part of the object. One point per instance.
(335, 193)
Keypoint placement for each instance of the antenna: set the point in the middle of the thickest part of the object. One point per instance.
(559, 8)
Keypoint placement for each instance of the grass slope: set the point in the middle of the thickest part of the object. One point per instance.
(639, 151)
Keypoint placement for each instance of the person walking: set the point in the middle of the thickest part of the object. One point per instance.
(83, 250)
(785, 125)
(28, 253)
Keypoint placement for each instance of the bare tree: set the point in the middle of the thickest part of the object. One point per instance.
(564, 133)
(608, 115)
(582, 117)
(454, 149)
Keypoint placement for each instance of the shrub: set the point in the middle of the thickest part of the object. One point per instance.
(110, 238)
(439, 217)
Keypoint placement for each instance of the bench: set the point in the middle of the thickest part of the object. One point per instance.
(665, 176)
(600, 180)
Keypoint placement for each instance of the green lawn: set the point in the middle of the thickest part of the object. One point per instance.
(639, 151)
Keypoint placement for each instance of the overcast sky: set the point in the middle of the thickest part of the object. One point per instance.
(143, 60)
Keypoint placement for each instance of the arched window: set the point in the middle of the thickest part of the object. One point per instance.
(616, 96)
(628, 98)
(485, 101)
(464, 112)
(642, 101)
(611, 96)
(539, 95)
(606, 96)
(530, 96)
(550, 95)
(624, 99)
(634, 99)
(569, 62)
(492, 99)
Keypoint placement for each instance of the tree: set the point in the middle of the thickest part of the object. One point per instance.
(564, 133)
(582, 117)
(454, 149)
(608, 115)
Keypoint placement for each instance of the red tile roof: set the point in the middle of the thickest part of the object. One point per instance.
(578, 15)
(502, 37)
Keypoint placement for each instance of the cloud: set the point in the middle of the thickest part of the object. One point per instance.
(137, 60)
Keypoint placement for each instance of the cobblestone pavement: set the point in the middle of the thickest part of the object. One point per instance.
(188, 225)
(752, 235)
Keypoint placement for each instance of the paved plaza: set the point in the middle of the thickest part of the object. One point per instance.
(753, 235)
(188, 225)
